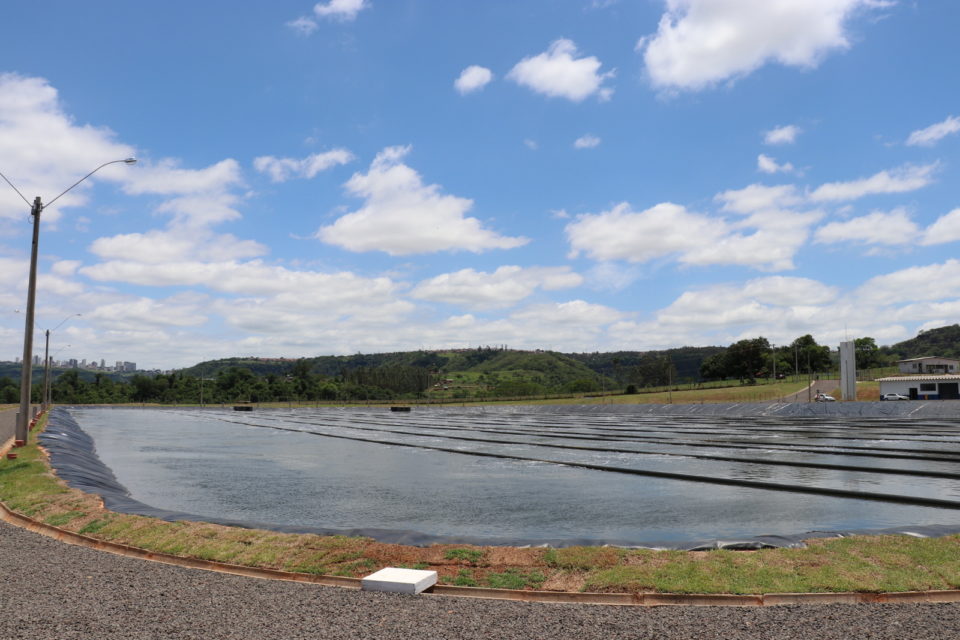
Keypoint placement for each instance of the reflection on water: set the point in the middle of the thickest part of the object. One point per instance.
(285, 467)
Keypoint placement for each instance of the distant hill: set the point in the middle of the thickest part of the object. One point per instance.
(943, 341)
(618, 364)
(549, 368)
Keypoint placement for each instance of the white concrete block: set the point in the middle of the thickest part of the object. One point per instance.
(397, 580)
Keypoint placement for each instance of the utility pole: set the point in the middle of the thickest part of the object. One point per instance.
(46, 373)
(23, 417)
(26, 371)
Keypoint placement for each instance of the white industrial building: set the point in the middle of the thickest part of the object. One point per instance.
(929, 364)
(923, 387)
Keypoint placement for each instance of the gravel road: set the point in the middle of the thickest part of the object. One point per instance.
(51, 590)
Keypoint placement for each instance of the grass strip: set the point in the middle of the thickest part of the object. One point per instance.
(860, 564)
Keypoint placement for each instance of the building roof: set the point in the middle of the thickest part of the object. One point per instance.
(928, 358)
(922, 378)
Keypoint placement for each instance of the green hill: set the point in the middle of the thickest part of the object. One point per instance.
(943, 341)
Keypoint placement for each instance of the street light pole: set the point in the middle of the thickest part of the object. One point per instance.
(26, 371)
(46, 363)
(45, 402)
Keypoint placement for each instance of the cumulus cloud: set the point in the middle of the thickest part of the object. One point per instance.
(891, 228)
(167, 178)
(175, 245)
(146, 312)
(402, 216)
(473, 78)
(504, 287)
(920, 283)
(786, 134)
(639, 236)
(766, 238)
(558, 73)
(702, 42)
(586, 142)
(303, 25)
(340, 9)
(766, 164)
(282, 169)
(934, 133)
(758, 197)
(44, 150)
(900, 180)
(945, 229)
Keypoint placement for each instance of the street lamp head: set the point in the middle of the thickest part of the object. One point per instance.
(130, 161)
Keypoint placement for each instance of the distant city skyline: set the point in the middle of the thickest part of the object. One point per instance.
(322, 178)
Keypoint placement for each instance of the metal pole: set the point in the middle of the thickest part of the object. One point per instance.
(46, 391)
(46, 372)
(26, 371)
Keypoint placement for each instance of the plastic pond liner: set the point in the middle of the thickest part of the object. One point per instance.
(662, 476)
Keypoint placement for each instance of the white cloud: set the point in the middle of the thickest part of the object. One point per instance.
(945, 229)
(786, 134)
(763, 241)
(702, 42)
(403, 216)
(932, 134)
(900, 180)
(175, 245)
(640, 236)
(531, 144)
(345, 10)
(766, 239)
(65, 268)
(504, 287)
(586, 142)
(787, 291)
(612, 276)
(44, 151)
(757, 197)
(303, 25)
(920, 283)
(473, 78)
(766, 164)
(145, 312)
(282, 169)
(167, 178)
(557, 73)
(890, 228)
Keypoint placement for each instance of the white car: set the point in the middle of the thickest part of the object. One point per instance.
(893, 396)
(822, 397)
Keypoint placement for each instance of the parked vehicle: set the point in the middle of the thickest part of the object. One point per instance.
(893, 396)
(822, 397)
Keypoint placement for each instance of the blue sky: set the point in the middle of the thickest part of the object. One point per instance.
(579, 175)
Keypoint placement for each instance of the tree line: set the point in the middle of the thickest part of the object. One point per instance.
(749, 359)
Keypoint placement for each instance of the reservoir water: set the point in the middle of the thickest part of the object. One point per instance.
(512, 474)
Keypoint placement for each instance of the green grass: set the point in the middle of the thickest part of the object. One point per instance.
(60, 519)
(870, 564)
(465, 579)
(467, 555)
(516, 579)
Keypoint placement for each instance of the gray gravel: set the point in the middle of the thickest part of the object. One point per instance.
(51, 590)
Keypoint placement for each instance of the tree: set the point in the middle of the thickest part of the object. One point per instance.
(714, 367)
(811, 357)
(867, 353)
(747, 359)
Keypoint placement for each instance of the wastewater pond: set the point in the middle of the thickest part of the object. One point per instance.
(526, 476)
